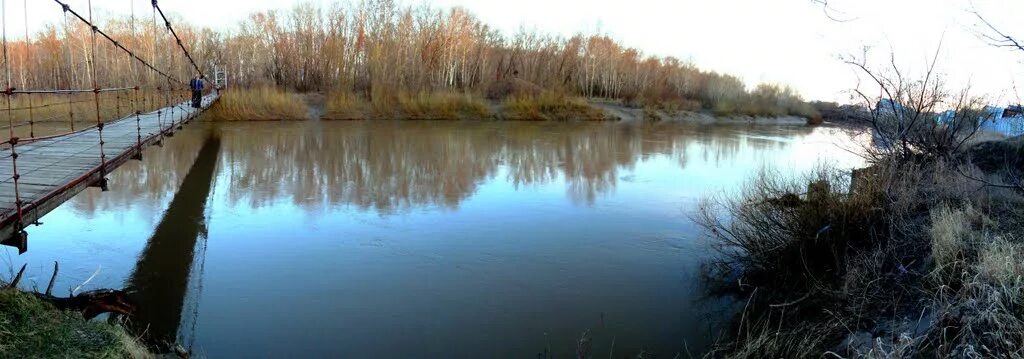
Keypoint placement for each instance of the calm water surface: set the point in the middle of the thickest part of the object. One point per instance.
(416, 239)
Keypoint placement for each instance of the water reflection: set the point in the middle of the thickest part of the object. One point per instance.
(417, 239)
(393, 166)
(145, 185)
(161, 277)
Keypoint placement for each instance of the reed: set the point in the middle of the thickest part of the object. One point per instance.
(259, 104)
(549, 106)
(344, 105)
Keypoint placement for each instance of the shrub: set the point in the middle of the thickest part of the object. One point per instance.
(792, 234)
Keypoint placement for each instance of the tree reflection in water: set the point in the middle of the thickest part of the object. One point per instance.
(393, 166)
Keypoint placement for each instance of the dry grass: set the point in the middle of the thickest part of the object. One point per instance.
(980, 305)
(755, 108)
(1001, 263)
(440, 106)
(952, 236)
(344, 105)
(259, 104)
(549, 106)
(918, 261)
(422, 106)
(31, 328)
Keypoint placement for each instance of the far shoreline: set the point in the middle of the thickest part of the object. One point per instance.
(278, 105)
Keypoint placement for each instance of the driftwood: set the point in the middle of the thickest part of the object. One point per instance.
(91, 304)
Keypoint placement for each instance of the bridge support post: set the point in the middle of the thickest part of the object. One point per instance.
(102, 184)
(19, 240)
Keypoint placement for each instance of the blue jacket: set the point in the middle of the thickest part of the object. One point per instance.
(196, 84)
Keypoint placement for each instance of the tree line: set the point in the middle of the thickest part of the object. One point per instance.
(382, 50)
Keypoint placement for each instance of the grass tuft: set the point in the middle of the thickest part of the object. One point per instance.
(549, 106)
(31, 328)
(259, 104)
(421, 106)
(443, 106)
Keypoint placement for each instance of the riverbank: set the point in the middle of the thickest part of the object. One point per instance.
(32, 328)
(912, 257)
(270, 104)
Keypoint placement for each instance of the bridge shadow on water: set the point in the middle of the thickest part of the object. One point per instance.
(160, 282)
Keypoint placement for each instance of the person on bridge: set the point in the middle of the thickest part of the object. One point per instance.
(197, 91)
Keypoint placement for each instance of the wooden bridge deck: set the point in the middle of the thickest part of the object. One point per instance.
(53, 170)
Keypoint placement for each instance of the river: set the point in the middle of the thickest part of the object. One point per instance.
(417, 239)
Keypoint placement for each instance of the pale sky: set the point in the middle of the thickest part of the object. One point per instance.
(790, 42)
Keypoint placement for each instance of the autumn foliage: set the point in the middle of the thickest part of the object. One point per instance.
(379, 51)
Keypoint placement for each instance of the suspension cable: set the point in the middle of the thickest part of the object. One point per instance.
(10, 118)
(174, 68)
(96, 30)
(72, 91)
(31, 117)
(135, 94)
(159, 112)
(72, 81)
(96, 97)
(178, 39)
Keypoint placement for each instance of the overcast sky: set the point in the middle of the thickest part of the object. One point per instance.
(794, 42)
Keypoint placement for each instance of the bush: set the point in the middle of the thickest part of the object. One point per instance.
(792, 234)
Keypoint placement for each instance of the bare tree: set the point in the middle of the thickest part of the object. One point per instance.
(911, 118)
(995, 36)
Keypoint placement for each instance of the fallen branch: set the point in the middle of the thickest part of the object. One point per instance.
(91, 304)
(53, 279)
(17, 278)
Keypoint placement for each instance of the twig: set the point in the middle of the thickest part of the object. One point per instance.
(17, 278)
(743, 318)
(990, 184)
(87, 280)
(611, 352)
(53, 279)
(808, 295)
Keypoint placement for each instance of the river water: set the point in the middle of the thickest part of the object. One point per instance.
(417, 239)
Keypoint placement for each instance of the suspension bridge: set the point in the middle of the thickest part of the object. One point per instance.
(39, 173)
